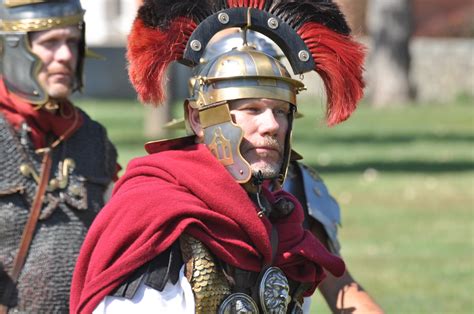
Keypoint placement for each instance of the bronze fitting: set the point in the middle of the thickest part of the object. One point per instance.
(60, 182)
(40, 24)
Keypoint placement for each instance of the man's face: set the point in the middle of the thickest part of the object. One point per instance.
(265, 124)
(58, 50)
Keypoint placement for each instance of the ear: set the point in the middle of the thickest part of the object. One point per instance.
(194, 121)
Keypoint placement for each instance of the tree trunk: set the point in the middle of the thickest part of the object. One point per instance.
(355, 12)
(390, 28)
(155, 119)
(177, 90)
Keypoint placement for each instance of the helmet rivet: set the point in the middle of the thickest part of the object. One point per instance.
(196, 45)
(272, 23)
(12, 42)
(223, 18)
(303, 55)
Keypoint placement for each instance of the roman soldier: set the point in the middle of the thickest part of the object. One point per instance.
(56, 164)
(197, 225)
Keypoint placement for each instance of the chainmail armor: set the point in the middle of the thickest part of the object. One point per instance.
(43, 284)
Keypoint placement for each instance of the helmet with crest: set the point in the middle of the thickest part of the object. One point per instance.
(312, 34)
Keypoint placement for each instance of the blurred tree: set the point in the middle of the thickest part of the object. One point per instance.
(441, 18)
(156, 117)
(390, 28)
(355, 12)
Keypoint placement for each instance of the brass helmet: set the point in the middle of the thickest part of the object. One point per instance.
(240, 73)
(233, 38)
(18, 64)
(312, 34)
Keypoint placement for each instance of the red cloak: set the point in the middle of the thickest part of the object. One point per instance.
(40, 121)
(165, 194)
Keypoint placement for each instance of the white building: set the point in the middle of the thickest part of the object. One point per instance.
(108, 21)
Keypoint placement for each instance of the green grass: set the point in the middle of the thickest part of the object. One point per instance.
(405, 180)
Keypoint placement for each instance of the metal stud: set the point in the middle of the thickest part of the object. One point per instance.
(223, 18)
(317, 191)
(272, 23)
(303, 55)
(196, 45)
(12, 42)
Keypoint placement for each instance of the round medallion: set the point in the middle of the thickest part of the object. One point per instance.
(274, 291)
(238, 303)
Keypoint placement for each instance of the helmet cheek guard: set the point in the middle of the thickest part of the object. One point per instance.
(223, 138)
(20, 68)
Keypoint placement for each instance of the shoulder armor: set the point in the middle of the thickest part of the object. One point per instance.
(320, 204)
(11, 157)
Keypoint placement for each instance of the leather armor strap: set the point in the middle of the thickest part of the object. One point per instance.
(155, 274)
(30, 227)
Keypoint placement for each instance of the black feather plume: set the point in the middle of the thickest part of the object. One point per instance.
(159, 13)
(297, 13)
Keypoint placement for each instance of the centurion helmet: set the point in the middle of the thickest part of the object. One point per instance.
(240, 73)
(19, 65)
(312, 34)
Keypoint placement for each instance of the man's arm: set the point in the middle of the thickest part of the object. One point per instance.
(343, 294)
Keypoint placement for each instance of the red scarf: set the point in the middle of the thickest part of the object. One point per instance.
(41, 122)
(163, 195)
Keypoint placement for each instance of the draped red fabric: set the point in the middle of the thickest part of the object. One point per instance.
(165, 194)
(40, 121)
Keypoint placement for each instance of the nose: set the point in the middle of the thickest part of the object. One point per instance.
(64, 53)
(269, 125)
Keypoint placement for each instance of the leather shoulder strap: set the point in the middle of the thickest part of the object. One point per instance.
(30, 226)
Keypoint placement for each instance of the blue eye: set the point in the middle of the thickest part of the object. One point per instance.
(281, 111)
(251, 110)
(48, 43)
